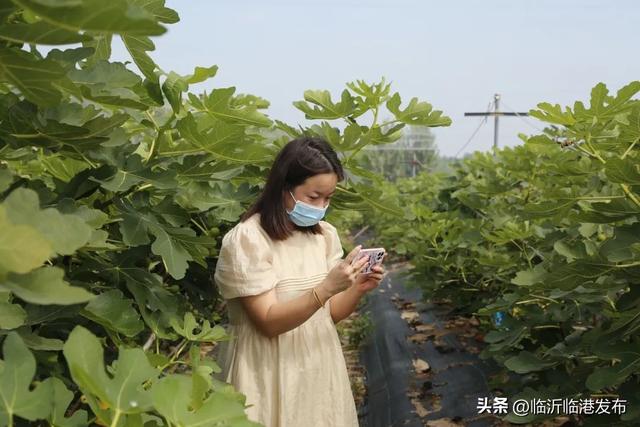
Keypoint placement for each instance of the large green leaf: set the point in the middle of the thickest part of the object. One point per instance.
(157, 305)
(175, 84)
(176, 245)
(219, 105)
(553, 114)
(22, 248)
(323, 107)
(103, 74)
(169, 245)
(172, 88)
(40, 33)
(620, 247)
(121, 394)
(526, 362)
(610, 376)
(135, 172)
(112, 84)
(378, 135)
(16, 374)
(200, 169)
(226, 198)
(225, 141)
(417, 113)
(62, 398)
(506, 338)
(64, 233)
(37, 342)
(116, 16)
(45, 285)
(625, 171)
(115, 312)
(373, 94)
(38, 80)
(61, 168)
(134, 228)
(100, 44)
(159, 11)
(571, 250)
(172, 396)
(548, 208)
(11, 315)
(602, 106)
(374, 199)
(200, 74)
(138, 46)
(205, 332)
(578, 273)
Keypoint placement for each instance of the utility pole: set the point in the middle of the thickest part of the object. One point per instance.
(496, 113)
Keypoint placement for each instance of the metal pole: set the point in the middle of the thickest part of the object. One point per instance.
(495, 113)
(496, 103)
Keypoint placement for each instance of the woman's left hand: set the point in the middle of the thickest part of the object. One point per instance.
(366, 282)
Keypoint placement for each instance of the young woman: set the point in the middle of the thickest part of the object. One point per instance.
(282, 273)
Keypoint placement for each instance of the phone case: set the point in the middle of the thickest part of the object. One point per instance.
(375, 257)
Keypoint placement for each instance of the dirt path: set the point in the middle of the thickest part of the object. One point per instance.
(422, 367)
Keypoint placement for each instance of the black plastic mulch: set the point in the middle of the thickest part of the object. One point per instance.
(451, 387)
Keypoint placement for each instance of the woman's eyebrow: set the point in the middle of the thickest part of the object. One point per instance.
(320, 192)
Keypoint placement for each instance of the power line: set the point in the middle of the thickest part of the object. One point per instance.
(496, 115)
(524, 120)
(483, 121)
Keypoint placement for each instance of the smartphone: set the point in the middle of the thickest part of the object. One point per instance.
(375, 257)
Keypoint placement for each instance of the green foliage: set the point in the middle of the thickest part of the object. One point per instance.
(18, 369)
(116, 187)
(110, 398)
(357, 330)
(548, 233)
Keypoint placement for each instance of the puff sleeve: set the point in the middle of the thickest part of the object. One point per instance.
(334, 246)
(245, 263)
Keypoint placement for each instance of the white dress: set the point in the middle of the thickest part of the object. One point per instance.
(298, 378)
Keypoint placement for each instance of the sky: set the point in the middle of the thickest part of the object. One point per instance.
(454, 54)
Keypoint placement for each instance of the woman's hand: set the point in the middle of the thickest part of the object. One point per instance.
(344, 275)
(366, 282)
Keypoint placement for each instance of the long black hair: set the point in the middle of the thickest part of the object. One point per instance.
(298, 160)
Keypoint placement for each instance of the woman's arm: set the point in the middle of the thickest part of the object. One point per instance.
(273, 317)
(343, 303)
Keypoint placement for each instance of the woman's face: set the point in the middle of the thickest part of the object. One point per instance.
(315, 190)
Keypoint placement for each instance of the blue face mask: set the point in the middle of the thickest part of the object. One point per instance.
(304, 214)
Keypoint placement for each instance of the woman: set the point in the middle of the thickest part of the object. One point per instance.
(282, 273)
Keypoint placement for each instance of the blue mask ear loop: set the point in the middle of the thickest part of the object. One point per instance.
(295, 201)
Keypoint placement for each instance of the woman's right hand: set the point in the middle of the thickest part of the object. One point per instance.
(343, 274)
